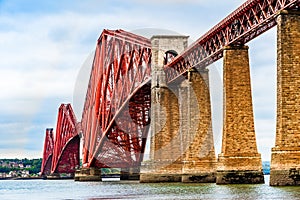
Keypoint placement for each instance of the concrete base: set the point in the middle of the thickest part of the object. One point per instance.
(159, 178)
(53, 176)
(240, 177)
(161, 171)
(285, 177)
(285, 167)
(130, 177)
(130, 174)
(199, 178)
(88, 174)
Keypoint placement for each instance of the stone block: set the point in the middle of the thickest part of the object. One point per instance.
(199, 178)
(286, 153)
(239, 177)
(239, 161)
(88, 174)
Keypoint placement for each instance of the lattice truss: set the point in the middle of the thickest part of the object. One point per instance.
(48, 151)
(115, 119)
(251, 19)
(66, 144)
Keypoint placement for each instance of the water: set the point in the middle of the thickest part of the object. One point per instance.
(68, 189)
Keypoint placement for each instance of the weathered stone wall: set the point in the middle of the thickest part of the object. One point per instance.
(238, 129)
(196, 129)
(165, 162)
(166, 139)
(163, 43)
(165, 132)
(239, 149)
(286, 153)
(182, 147)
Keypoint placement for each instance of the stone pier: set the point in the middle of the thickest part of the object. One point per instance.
(199, 157)
(88, 174)
(239, 161)
(132, 173)
(165, 164)
(53, 176)
(285, 161)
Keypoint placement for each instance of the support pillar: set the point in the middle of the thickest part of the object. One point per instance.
(53, 176)
(132, 173)
(285, 161)
(196, 126)
(88, 174)
(239, 161)
(165, 164)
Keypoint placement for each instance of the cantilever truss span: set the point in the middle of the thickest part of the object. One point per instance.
(115, 119)
(66, 145)
(48, 152)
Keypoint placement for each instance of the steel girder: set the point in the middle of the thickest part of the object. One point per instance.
(48, 151)
(66, 145)
(116, 112)
(251, 19)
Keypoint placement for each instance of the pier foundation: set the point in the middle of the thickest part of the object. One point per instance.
(199, 159)
(165, 164)
(130, 173)
(239, 161)
(285, 159)
(88, 174)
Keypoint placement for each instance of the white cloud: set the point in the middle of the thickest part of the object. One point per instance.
(20, 153)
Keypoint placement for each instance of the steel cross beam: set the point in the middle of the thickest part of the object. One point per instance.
(120, 71)
(48, 151)
(66, 130)
(250, 20)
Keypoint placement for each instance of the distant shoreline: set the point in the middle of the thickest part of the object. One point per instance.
(20, 178)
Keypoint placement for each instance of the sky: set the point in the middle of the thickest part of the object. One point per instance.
(44, 46)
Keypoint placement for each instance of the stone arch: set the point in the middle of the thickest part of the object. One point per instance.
(169, 56)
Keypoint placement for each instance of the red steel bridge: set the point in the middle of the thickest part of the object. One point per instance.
(61, 154)
(116, 115)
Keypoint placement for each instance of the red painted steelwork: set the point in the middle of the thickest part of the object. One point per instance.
(250, 20)
(116, 113)
(66, 146)
(48, 151)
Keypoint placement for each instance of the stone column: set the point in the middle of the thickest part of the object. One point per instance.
(165, 164)
(199, 156)
(132, 173)
(165, 157)
(239, 161)
(285, 162)
(88, 174)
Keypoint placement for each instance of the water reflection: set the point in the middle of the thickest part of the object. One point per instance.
(39, 189)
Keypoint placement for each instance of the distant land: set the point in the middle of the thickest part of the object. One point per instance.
(20, 168)
(26, 168)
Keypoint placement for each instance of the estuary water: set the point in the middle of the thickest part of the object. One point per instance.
(68, 189)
